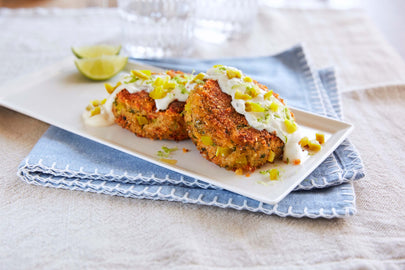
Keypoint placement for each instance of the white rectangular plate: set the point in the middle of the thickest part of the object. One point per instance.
(58, 95)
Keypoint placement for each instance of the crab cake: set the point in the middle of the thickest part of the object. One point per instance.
(224, 136)
(148, 104)
(137, 112)
(238, 123)
(151, 104)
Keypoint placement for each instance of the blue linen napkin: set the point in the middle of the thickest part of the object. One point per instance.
(64, 160)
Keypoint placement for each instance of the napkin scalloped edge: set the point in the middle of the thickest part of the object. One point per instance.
(175, 193)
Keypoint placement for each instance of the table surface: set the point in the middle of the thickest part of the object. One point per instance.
(51, 228)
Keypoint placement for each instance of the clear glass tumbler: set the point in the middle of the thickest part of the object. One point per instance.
(221, 20)
(157, 28)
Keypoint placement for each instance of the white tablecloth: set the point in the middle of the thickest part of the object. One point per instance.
(57, 229)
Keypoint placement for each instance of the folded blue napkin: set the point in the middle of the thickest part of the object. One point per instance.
(64, 160)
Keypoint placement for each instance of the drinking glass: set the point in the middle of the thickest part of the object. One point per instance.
(157, 28)
(221, 20)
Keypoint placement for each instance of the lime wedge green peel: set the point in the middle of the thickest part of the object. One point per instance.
(95, 51)
(101, 68)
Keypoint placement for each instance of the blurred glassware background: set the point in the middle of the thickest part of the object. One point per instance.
(167, 28)
(387, 15)
(335, 4)
(221, 20)
(157, 28)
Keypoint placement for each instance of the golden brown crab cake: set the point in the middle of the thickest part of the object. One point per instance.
(224, 136)
(137, 112)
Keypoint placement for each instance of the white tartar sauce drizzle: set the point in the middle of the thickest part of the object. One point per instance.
(132, 84)
(269, 117)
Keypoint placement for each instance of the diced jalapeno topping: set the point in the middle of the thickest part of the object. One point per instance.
(162, 86)
(273, 174)
(158, 92)
(159, 81)
(271, 157)
(169, 161)
(247, 79)
(231, 73)
(142, 74)
(110, 89)
(290, 125)
(274, 107)
(314, 146)
(241, 160)
(95, 111)
(95, 102)
(200, 76)
(187, 107)
(239, 95)
(142, 120)
(320, 138)
(268, 95)
(252, 91)
(223, 151)
(304, 142)
(206, 140)
(311, 145)
(170, 85)
(253, 107)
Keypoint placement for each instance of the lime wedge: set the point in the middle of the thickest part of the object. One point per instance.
(95, 51)
(101, 68)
